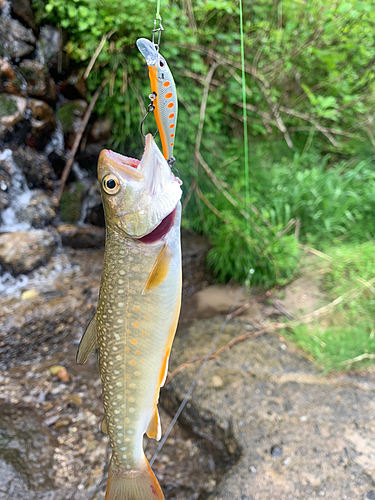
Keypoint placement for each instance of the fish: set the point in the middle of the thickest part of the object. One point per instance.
(165, 102)
(138, 310)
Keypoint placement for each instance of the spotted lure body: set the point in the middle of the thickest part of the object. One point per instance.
(162, 84)
(138, 310)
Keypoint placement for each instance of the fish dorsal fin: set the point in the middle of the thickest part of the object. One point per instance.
(154, 427)
(104, 426)
(159, 271)
(88, 343)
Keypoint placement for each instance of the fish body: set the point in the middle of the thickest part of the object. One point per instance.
(166, 104)
(138, 310)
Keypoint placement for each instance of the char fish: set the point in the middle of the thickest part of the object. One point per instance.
(138, 310)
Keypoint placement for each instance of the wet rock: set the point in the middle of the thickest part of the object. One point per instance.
(71, 203)
(10, 81)
(81, 236)
(42, 123)
(26, 450)
(29, 294)
(16, 41)
(21, 252)
(39, 212)
(70, 116)
(92, 207)
(35, 166)
(38, 80)
(49, 46)
(74, 87)
(22, 9)
(12, 111)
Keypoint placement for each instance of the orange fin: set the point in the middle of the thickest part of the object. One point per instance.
(159, 271)
(154, 427)
(138, 484)
(104, 426)
(88, 343)
(164, 369)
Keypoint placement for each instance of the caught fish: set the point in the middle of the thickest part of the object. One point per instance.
(138, 310)
(162, 84)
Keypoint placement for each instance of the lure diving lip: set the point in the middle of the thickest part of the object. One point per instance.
(163, 85)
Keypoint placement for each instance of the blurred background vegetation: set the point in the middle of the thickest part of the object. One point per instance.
(310, 98)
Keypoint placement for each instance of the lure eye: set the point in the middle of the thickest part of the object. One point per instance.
(161, 63)
(111, 184)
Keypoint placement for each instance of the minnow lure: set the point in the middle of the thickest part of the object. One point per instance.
(165, 102)
(138, 310)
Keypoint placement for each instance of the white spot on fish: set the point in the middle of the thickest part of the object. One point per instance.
(120, 321)
(116, 412)
(120, 282)
(122, 272)
(131, 410)
(121, 304)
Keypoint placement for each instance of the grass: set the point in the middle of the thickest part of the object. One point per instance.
(344, 339)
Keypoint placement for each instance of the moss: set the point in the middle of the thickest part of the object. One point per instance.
(8, 106)
(71, 204)
(68, 115)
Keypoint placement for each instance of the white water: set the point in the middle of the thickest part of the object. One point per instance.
(19, 194)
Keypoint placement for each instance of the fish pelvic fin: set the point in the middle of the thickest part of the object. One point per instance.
(154, 427)
(88, 343)
(138, 484)
(159, 271)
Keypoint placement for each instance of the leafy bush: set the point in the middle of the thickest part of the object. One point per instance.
(309, 78)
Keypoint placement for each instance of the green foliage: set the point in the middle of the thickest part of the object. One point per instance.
(310, 83)
(346, 338)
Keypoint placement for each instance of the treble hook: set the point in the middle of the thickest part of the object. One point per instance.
(157, 30)
(150, 109)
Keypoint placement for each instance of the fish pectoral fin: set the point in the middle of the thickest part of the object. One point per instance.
(104, 426)
(88, 343)
(154, 427)
(159, 271)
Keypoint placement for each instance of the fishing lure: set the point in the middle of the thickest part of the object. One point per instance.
(163, 94)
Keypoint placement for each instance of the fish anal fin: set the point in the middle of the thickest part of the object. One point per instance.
(88, 343)
(104, 426)
(154, 427)
(159, 271)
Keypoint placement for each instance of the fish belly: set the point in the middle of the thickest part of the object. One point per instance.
(135, 332)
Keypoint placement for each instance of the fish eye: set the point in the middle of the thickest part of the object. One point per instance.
(111, 184)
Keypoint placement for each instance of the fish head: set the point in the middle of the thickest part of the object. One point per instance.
(155, 61)
(137, 194)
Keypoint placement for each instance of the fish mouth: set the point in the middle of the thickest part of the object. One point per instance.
(131, 167)
(147, 49)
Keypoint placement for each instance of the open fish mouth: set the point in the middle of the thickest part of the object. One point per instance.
(131, 167)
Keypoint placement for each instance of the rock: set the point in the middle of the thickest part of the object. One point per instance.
(63, 375)
(38, 80)
(92, 207)
(74, 87)
(71, 202)
(266, 390)
(62, 423)
(29, 294)
(81, 236)
(42, 123)
(22, 9)
(10, 81)
(39, 212)
(26, 451)
(12, 111)
(49, 46)
(23, 251)
(101, 130)
(16, 41)
(70, 116)
(35, 166)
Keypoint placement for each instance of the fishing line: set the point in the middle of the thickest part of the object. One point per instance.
(203, 365)
(245, 132)
(251, 271)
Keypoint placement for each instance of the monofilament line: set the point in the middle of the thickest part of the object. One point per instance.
(203, 365)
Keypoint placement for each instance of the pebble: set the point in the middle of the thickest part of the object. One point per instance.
(29, 294)
(276, 451)
(62, 423)
(217, 381)
(370, 495)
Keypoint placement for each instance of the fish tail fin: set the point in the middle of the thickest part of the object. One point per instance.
(140, 484)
